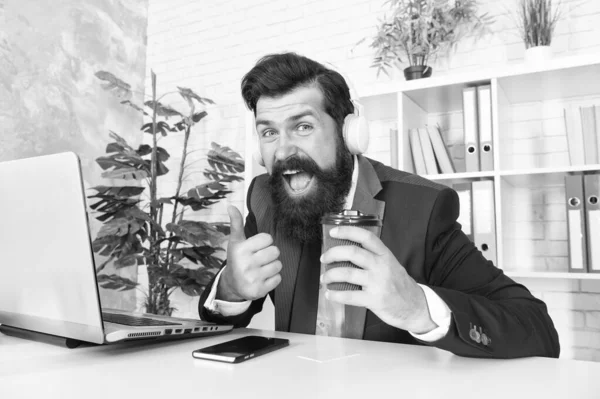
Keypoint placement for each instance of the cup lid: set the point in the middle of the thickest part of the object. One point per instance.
(351, 217)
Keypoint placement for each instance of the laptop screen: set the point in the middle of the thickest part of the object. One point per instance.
(47, 276)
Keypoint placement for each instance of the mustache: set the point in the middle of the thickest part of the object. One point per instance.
(296, 163)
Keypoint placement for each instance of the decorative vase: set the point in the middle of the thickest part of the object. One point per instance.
(417, 72)
(538, 54)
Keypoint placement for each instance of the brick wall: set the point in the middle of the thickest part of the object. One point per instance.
(209, 46)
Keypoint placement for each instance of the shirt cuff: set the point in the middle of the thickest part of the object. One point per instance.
(440, 314)
(224, 308)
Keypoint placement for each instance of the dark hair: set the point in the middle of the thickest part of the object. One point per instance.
(278, 74)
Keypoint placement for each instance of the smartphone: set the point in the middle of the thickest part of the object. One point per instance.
(240, 349)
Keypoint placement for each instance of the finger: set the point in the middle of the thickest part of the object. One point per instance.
(353, 298)
(269, 270)
(364, 237)
(349, 253)
(237, 224)
(350, 275)
(258, 242)
(271, 283)
(266, 255)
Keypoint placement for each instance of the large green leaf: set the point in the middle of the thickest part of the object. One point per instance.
(126, 174)
(202, 254)
(118, 191)
(134, 106)
(142, 217)
(126, 148)
(119, 246)
(120, 227)
(130, 260)
(185, 122)
(191, 281)
(202, 203)
(221, 177)
(196, 233)
(111, 206)
(110, 162)
(189, 94)
(106, 245)
(114, 282)
(161, 168)
(205, 190)
(225, 160)
(120, 88)
(162, 127)
(223, 227)
(163, 110)
(161, 154)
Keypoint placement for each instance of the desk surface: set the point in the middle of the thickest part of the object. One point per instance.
(311, 367)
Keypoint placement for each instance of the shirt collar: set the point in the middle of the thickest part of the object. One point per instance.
(350, 197)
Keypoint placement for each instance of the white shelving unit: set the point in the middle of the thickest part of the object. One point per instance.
(530, 149)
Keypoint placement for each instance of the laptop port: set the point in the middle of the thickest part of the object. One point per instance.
(187, 331)
(168, 331)
(178, 331)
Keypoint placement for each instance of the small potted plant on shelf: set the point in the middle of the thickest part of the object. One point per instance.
(536, 21)
(418, 30)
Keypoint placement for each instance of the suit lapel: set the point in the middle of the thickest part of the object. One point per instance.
(367, 187)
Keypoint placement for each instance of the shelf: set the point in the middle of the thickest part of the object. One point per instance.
(552, 84)
(573, 276)
(457, 176)
(541, 171)
(515, 173)
(521, 69)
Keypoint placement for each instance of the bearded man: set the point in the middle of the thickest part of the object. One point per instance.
(422, 280)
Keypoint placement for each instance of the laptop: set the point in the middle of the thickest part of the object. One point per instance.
(47, 272)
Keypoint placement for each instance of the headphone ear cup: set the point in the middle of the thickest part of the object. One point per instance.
(356, 133)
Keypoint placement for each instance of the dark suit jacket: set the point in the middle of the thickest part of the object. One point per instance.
(420, 228)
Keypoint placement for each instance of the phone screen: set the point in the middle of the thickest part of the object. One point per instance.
(240, 349)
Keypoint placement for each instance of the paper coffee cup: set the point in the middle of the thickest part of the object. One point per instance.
(346, 218)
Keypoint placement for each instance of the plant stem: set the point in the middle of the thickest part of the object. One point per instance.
(181, 169)
(184, 154)
(153, 236)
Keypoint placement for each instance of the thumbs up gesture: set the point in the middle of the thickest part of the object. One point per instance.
(253, 266)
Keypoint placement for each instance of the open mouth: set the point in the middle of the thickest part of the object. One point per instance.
(298, 181)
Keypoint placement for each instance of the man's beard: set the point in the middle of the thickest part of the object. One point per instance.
(299, 218)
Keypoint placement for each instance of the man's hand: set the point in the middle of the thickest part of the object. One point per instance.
(252, 264)
(387, 289)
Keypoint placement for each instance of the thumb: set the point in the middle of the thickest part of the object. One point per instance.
(237, 224)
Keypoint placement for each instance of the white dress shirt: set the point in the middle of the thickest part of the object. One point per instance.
(438, 310)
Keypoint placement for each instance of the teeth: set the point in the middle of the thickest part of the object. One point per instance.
(290, 172)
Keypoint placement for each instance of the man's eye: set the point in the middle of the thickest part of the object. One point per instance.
(303, 127)
(268, 133)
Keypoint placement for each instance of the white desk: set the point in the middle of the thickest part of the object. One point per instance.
(167, 370)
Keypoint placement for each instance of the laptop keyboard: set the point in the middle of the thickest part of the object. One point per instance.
(130, 320)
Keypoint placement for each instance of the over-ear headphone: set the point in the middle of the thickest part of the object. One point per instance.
(355, 129)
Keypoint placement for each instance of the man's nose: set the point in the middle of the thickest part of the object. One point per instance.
(286, 147)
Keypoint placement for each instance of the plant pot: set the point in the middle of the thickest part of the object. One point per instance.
(538, 54)
(417, 72)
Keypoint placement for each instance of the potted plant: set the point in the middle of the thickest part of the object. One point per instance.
(536, 21)
(142, 229)
(418, 30)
